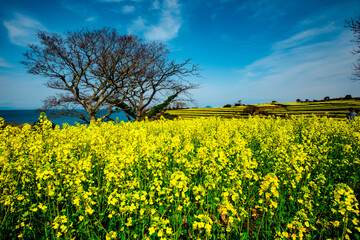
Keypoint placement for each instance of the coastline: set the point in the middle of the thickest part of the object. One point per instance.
(30, 116)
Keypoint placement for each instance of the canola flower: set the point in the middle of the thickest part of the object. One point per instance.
(207, 178)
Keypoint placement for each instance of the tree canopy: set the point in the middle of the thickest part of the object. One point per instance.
(105, 72)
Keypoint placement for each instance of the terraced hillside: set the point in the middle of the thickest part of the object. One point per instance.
(334, 109)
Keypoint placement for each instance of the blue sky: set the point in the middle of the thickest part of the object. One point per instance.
(253, 50)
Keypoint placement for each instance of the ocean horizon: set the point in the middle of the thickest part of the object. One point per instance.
(32, 115)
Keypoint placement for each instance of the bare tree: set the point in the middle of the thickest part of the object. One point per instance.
(162, 78)
(104, 72)
(354, 25)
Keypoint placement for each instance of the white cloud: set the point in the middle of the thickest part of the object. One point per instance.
(137, 26)
(156, 4)
(128, 9)
(264, 10)
(22, 29)
(171, 4)
(303, 37)
(311, 64)
(90, 19)
(4, 63)
(167, 27)
(312, 70)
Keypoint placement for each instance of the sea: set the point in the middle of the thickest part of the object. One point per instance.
(31, 116)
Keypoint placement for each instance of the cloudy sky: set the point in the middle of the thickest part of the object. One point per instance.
(250, 50)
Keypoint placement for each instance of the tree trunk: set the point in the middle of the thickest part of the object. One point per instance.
(138, 117)
(92, 114)
(92, 118)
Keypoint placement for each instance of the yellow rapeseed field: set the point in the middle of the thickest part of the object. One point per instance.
(184, 179)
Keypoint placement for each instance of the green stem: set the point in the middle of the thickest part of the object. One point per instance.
(51, 218)
(8, 209)
(248, 223)
(345, 226)
(262, 222)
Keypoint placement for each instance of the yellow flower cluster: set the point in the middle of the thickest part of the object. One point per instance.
(269, 188)
(207, 178)
(203, 222)
(345, 203)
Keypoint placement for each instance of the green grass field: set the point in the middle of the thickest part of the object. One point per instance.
(335, 109)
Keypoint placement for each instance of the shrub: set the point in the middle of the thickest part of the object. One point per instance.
(251, 109)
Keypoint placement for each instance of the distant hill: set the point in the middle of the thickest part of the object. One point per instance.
(336, 108)
(208, 106)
